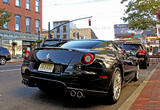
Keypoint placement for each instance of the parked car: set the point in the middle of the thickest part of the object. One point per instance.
(53, 42)
(138, 50)
(81, 68)
(4, 55)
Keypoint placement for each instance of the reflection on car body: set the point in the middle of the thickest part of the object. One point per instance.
(82, 67)
(138, 50)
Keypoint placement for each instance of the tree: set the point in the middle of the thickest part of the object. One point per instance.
(141, 14)
(4, 17)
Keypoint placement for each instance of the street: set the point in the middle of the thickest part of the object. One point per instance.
(15, 96)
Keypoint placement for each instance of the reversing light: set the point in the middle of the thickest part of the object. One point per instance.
(88, 58)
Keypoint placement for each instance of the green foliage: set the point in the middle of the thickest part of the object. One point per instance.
(140, 14)
(4, 17)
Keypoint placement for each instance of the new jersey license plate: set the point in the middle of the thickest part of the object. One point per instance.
(46, 67)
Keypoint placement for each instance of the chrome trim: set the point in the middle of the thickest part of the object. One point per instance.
(79, 89)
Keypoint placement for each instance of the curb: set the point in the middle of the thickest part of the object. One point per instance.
(130, 101)
(14, 62)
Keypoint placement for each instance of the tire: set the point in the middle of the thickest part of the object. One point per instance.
(145, 65)
(2, 61)
(136, 78)
(116, 86)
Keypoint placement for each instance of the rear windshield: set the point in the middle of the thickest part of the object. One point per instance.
(82, 44)
(51, 43)
(132, 46)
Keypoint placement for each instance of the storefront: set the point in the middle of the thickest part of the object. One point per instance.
(17, 43)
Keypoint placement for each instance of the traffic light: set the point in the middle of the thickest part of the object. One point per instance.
(89, 22)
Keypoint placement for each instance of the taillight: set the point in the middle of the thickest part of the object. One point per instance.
(141, 52)
(27, 54)
(88, 58)
(9, 54)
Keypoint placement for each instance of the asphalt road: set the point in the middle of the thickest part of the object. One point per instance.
(15, 96)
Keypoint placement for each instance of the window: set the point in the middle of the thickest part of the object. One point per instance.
(18, 3)
(37, 5)
(64, 28)
(17, 22)
(28, 19)
(58, 36)
(77, 35)
(6, 1)
(58, 30)
(5, 26)
(64, 36)
(37, 26)
(28, 4)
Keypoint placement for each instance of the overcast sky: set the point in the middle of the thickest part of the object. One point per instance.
(105, 13)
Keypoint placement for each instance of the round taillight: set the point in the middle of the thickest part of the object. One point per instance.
(27, 54)
(88, 58)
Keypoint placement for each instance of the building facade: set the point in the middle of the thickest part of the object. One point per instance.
(82, 33)
(24, 27)
(61, 29)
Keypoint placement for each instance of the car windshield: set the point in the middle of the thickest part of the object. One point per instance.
(131, 46)
(81, 44)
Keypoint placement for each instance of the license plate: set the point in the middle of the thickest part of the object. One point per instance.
(46, 67)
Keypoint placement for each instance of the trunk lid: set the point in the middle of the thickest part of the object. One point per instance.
(56, 55)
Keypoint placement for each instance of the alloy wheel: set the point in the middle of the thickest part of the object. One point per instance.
(117, 85)
(2, 61)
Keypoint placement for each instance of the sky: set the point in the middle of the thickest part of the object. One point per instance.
(105, 13)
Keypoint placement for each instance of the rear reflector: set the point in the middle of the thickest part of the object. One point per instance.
(103, 77)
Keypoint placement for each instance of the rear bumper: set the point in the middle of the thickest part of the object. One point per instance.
(33, 82)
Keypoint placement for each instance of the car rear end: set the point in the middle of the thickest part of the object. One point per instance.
(78, 71)
(4, 55)
(139, 51)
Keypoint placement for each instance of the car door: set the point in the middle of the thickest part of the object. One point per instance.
(129, 64)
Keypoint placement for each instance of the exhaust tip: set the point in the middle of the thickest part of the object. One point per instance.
(72, 93)
(80, 94)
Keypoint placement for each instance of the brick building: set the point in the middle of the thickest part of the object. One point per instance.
(82, 33)
(24, 26)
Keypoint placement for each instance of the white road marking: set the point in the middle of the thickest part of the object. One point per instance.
(9, 70)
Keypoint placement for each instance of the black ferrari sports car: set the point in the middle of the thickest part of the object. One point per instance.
(81, 68)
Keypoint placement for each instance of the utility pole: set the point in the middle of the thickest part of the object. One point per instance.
(66, 23)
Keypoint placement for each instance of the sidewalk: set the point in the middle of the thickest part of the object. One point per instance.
(15, 60)
(149, 98)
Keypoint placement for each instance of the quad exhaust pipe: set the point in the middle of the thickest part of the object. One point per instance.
(78, 94)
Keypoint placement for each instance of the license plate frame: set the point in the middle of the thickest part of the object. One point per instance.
(46, 67)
